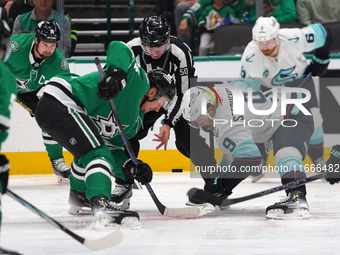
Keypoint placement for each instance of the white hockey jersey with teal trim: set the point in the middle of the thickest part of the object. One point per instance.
(290, 62)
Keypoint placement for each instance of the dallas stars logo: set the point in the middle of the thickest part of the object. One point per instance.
(64, 64)
(22, 85)
(14, 46)
(107, 127)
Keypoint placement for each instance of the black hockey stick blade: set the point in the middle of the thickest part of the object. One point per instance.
(207, 197)
(107, 241)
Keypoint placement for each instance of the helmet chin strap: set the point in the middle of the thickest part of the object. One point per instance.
(144, 101)
(36, 49)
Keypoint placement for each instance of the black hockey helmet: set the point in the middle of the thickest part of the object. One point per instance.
(154, 31)
(5, 40)
(164, 83)
(48, 31)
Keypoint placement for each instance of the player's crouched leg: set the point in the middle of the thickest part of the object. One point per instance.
(295, 205)
(97, 175)
(76, 132)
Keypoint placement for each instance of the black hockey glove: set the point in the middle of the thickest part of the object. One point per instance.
(333, 165)
(4, 169)
(114, 82)
(141, 173)
(215, 186)
(317, 66)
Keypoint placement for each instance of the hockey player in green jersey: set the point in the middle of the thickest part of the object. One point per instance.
(7, 98)
(75, 112)
(33, 61)
(191, 17)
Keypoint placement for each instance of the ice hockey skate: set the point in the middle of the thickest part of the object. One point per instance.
(108, 216)
(207, 207)
(79, 203)
(319, 163)
(294, 206)
(121, 195)
(61, 170)
(8, 252)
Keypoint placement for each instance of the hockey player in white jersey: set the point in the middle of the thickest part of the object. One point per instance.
(276, 56)
(236, 132)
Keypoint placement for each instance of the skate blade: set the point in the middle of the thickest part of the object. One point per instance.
(79, 210)
(103, 222)
(278, 214)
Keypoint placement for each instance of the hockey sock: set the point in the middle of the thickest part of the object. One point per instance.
(315, 148)
(97, 179)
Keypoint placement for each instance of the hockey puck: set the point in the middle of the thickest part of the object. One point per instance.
(177, 170)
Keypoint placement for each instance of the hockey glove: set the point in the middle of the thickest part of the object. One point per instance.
(4, 169)
(114, 82)
(333, 165)
(215, 186)
(142, 172)
(317, 66)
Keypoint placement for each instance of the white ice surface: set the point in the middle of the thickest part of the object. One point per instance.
(243, 229)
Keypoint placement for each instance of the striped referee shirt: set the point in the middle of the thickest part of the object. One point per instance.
(178, 62)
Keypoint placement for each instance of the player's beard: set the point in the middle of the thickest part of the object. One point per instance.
(270, 53)
(42, 56)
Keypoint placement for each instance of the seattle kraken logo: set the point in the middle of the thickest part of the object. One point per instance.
(284, 76)
(107, 127)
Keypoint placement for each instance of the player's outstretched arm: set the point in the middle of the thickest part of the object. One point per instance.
(163, 136)
(320, 61)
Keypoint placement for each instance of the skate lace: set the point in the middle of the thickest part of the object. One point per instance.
(60, 165)
(120, 190)
(288, 198)
(111, 205)
(284, 200)
(292, 197)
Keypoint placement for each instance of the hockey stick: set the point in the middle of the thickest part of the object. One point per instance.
(93, 244)
(186, 212)
(24, 106)
(210, 198)
(305, 79)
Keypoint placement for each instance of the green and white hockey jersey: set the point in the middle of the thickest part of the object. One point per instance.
(84, 95)
(7, 98)
(29, 74)
(194, 12)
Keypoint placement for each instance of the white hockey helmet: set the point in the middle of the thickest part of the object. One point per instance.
(265, 29)
(195, 103)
